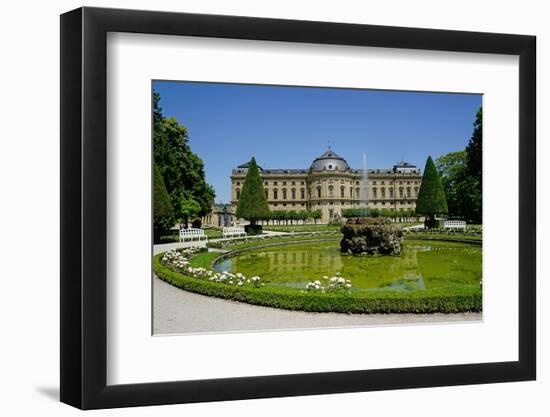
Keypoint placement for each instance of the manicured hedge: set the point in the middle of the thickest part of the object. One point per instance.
(421, 301)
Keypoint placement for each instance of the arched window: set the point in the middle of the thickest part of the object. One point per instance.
(275, 194)
(293, 194)
(400, 192)
(350, 192)
(391, 192)
(238, 193)
(303, 194)
(330, 191)
(408, 192)
(318, 192)
(284, 193)
(374, 193)
(383, 192)
(342, 192)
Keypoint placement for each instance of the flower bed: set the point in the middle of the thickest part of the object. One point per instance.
(176, 270)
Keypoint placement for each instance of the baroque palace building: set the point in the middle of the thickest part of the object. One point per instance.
(331, 185)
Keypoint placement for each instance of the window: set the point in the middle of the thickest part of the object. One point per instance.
(238, 193)
(274, 182)
(303, 194)
(284, 193)
(375, 193)
(284, 182)
(391, 192)
(266, 184)
(400, 192)
(275, 205)
(318, 192)
(275, 194)
(238, 183)
(383, 192)
(293, 193)
(408, 192)
(266, 196)
(330, 167)
(293, 183)
(357, 193)
(374, 183)
(284, 204)
(350, 192)
(302, 182)
(342, 192)
(382, 182)
(293, 204)
(330, 191)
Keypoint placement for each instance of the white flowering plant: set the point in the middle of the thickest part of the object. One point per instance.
(336, 283)
(179, 260)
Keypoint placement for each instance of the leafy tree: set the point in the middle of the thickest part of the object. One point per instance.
(252, 204)
(182, 170)
(163, 213)
(461, 175)
(316, 215)
(431, 196)
(453, 171)
(474, 148)
(475, 169)
(188, 208)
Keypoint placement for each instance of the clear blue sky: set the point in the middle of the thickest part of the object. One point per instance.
(287, 127)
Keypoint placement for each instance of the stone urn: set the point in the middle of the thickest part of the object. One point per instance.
(371, 236)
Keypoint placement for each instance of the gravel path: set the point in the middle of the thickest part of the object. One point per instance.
(179, 311)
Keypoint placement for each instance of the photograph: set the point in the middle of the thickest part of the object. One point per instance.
(298, 207)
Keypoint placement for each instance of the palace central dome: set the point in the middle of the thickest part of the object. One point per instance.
(329, 161)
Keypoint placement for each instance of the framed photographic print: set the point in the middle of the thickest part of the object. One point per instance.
(258, 207)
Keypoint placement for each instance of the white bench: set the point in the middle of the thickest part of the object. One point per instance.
(233, 231)
(454, 224)
(193, 237)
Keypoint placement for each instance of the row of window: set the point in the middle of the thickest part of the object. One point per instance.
(403, 192)
(331, 181)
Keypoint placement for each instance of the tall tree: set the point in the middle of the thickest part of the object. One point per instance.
(163, 213)
(453, 170)
(252, 204)
(431, 197)
(475, 168)
(182, 170)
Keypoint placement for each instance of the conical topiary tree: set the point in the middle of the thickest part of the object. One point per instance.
(252, 204)
(163, 213)
(431, 197)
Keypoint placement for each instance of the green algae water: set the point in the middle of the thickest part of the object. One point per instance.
(422, 265)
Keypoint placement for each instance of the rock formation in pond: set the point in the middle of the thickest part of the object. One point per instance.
(371, 236)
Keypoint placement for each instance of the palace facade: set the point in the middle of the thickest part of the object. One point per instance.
(331, 185)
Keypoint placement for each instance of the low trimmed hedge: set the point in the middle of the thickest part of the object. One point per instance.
(420, 301)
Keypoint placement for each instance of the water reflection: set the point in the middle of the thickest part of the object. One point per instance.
(421, 266)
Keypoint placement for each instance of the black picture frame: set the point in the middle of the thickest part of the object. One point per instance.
(84, 207)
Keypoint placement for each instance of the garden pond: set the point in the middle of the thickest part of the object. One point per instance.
(422, 265)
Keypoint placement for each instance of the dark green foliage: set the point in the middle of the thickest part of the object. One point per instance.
(431, 197)
(252, 204)
(461, 175)
(163, 217)
(182, 170)
(474, 148)
(422, 301)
